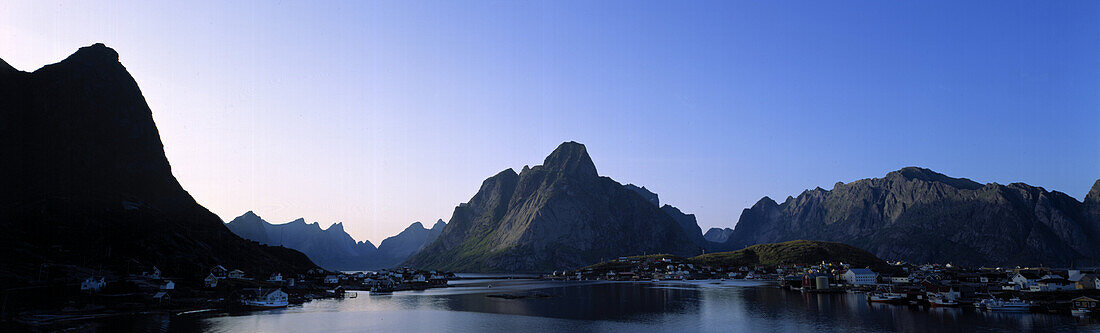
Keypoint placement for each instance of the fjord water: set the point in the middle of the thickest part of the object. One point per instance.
(693, 306)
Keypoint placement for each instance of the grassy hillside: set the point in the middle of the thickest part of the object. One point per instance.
(792, 252)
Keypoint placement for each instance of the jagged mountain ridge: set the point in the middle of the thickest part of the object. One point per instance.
(919, 215)
(557, 215)
(333, 248)
(85, 176)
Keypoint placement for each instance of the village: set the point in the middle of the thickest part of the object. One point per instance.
(222, 290)
(1021, 289)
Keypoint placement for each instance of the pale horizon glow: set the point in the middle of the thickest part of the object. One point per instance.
(379, 114)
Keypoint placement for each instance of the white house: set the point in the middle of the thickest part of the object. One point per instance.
(236, 274)
(210, 281)
(277, 295)
(332, 279)
(219, 271)
(1025, 279)
(168, 285)
(860, 276)
(93, 284)
(277, 277)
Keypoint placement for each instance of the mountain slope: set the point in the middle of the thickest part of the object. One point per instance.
(330, 248)
(557, 215)
(918, 215)
(84, 179)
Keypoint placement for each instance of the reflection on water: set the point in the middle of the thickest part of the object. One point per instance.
(703, 306)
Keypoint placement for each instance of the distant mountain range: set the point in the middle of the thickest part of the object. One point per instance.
(333, 248)
(558, 215)
(918, 215)
(718, 235)
(84, 180)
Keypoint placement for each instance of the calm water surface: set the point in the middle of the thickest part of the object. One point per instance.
(694, 306)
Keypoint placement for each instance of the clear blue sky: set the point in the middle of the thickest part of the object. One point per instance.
(379, 114)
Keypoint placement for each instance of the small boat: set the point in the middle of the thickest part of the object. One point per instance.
(1012, 305)
(381, 290)
(938, 300)
(260, 299)
(655, 280)
(886, 297)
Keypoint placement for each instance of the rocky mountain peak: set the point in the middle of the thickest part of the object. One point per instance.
(94, 54)
(415, 226)
(439, 225)
(338, 226)
(918, 173)
(572, 158)
(765, 202)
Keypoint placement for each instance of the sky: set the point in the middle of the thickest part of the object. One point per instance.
(379, 114)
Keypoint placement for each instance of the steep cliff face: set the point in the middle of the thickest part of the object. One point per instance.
(557, 215)
(918, 215)
(331, 248)
(84, 179)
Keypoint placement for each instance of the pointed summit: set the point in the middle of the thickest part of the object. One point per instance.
(415, 226)
(95, 53)
(572, 158)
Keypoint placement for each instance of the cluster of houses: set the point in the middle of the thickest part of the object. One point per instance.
(658, 268)
(149, 282)
(264, 290)
(219, 273)
(391, 279)
(952, 284)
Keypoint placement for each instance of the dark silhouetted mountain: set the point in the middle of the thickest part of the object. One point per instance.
(557, 215)
(84, 179)
(398, 248)
(331, 248)
(921, 216)
(688, 225)
(686, 222)
(645, 193)
(718, 235)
